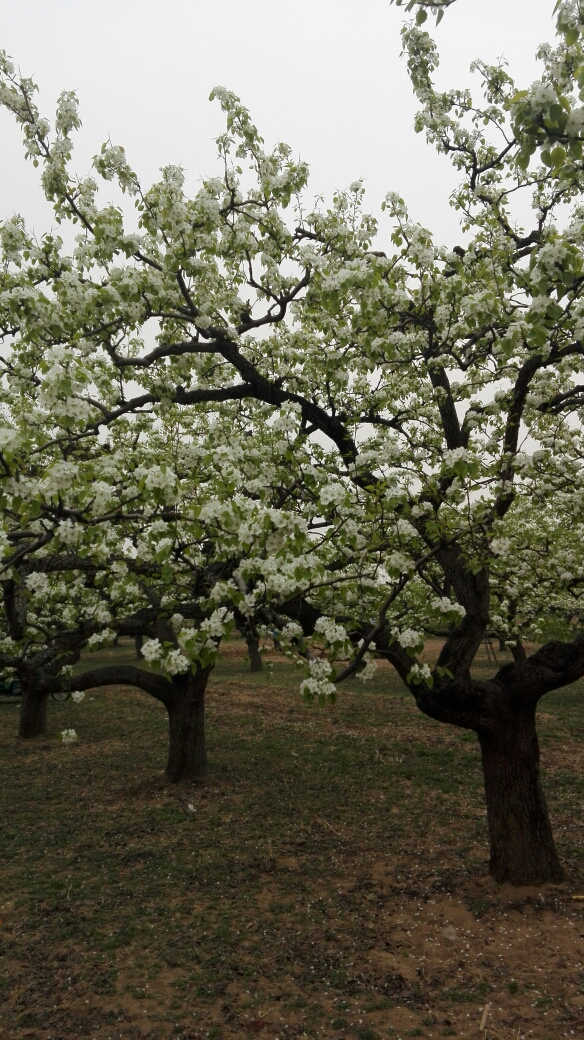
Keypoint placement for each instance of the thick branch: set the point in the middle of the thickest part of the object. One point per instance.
(455, 437)
(122, 675)
(472, 592)
(549, 668)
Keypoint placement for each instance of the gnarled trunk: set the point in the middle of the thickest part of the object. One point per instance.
(502, 713)
(33, 713)
(522, 844)
(253, 649)
(187, 755)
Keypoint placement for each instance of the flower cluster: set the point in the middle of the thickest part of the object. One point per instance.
(420, 673)
(318, 683)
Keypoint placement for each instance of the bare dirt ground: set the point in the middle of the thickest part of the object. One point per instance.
(327, 880)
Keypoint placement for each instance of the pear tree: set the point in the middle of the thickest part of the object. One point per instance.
(433, 394)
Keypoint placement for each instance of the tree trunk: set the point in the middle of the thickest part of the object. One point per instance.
(518, 652)
(522, 844)
(187, 755)
(253, 649)
(33, 714)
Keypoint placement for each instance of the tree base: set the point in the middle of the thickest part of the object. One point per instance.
(548, 874)
(253, 649)
(522, 845)
(256, 663)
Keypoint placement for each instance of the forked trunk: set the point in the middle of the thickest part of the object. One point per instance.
(522, 844)
(253, 649)
(33, 714)
(187, 755)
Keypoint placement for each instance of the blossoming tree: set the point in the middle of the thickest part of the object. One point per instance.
(475, 359)
(171, 534)
(432, 394)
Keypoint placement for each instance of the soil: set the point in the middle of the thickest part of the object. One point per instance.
(328, 878)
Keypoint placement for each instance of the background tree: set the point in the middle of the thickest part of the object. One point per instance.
(168, 534)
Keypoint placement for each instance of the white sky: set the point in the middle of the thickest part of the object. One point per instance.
(323, 75)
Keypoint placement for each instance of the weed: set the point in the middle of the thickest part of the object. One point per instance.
(479, 907)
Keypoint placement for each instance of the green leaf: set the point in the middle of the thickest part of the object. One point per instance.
(421, 16)
(558, 155)
(538, 336)
(444, 672)
(554, 312)
(517, 97)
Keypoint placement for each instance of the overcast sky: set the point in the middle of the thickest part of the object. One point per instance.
(323, 75)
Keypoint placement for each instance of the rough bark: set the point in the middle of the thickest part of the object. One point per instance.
(33, 713)
(522, 844)
(253, 649)
(502, 713)
(187, 753)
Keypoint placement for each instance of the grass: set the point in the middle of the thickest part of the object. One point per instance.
(326, 880)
